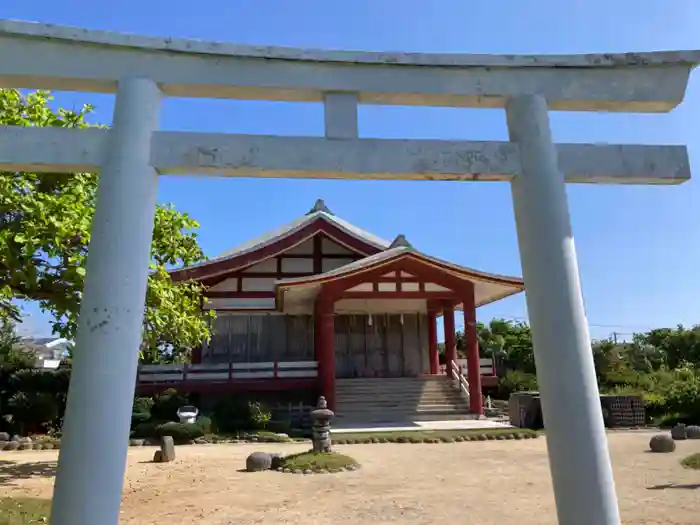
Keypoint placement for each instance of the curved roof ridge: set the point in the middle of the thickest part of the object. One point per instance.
(394, 252)
(290, 228)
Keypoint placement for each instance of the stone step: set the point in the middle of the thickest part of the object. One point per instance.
(401, 419)
(399, 395)
(404, 410)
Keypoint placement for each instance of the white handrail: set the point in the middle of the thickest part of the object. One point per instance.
(460, 381)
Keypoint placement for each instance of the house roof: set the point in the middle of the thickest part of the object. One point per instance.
(319, 212)
(493, 287)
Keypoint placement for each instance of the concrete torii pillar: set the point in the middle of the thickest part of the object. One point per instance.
(566, 379)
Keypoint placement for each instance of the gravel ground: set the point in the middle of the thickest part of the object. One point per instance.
(488, 483)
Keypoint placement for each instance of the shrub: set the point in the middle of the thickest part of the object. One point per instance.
(138, 418)
(233, 415)
(683, 397)
(182, 433)
(205, 424)
(165, 405)
(515, 381)
(33, 411)
(145, 430)
(142, 405)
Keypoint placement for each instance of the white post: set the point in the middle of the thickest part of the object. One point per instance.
(340, 115)
(92, 460)
(584, 488)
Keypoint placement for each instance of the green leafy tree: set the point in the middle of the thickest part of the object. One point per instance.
(509, 340)
(45, 224)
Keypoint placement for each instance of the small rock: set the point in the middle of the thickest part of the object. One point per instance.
(662, 443)
(692, 432)
(167, 449)
(4, 436)
(287, 470)
(335, 470)
(351, 467)
(37, 446)
(11, 445)
(136, 442)
(308, 471)
(201, 441)
(25, 439)
(679, 432)
(157, 456)
(322, 471)
(26, 446)
(258, 461)
(275, 460)
(296, 471)
(48, 446)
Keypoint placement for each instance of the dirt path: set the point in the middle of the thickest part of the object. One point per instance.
(485, 483)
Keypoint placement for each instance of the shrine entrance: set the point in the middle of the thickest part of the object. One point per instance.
(133, 153)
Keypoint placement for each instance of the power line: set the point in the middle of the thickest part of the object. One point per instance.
(634, 328)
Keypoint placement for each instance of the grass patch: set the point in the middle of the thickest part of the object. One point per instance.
(421, 435)
(692, 461)
(317, 461)
(24, 511)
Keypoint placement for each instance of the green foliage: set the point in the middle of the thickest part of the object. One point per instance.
(233, 414)
(508, 340)
(33, 400)
(24, 511)
(166, 404)
(142, 405)
(692, 461)
(683, 397)
(32, 411)
(182, 433)
(13, 356)
(516, 381)
(317, 461)
(205, 424)
(46, 222)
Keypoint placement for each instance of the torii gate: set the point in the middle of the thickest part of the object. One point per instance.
(131, 155)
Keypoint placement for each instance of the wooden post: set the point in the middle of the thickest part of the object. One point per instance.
(433, 357)
(325, 332)
(476, 404)
(448, 315)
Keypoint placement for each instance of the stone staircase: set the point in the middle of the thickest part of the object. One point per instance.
(398, 400)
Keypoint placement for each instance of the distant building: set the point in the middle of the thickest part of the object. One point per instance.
(49, 351)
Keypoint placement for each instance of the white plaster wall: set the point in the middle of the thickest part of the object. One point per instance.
(268, 265)
(432, 287)
(239, 303)
(333, 248)
(331, 264)
(258, 284)
(228, 285)
(304, 248)
(376, 306)
(297, 265)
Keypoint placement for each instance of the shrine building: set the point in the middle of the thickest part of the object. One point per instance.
(322, 305)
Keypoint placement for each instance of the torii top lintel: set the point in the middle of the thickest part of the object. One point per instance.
(36, 55)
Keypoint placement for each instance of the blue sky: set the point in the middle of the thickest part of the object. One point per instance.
(638, 246)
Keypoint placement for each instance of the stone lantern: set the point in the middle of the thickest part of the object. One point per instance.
(321, 426)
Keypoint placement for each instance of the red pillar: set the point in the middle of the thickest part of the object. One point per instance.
(433, 357)
(476, 404)
(325, 335)
(448, 316)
